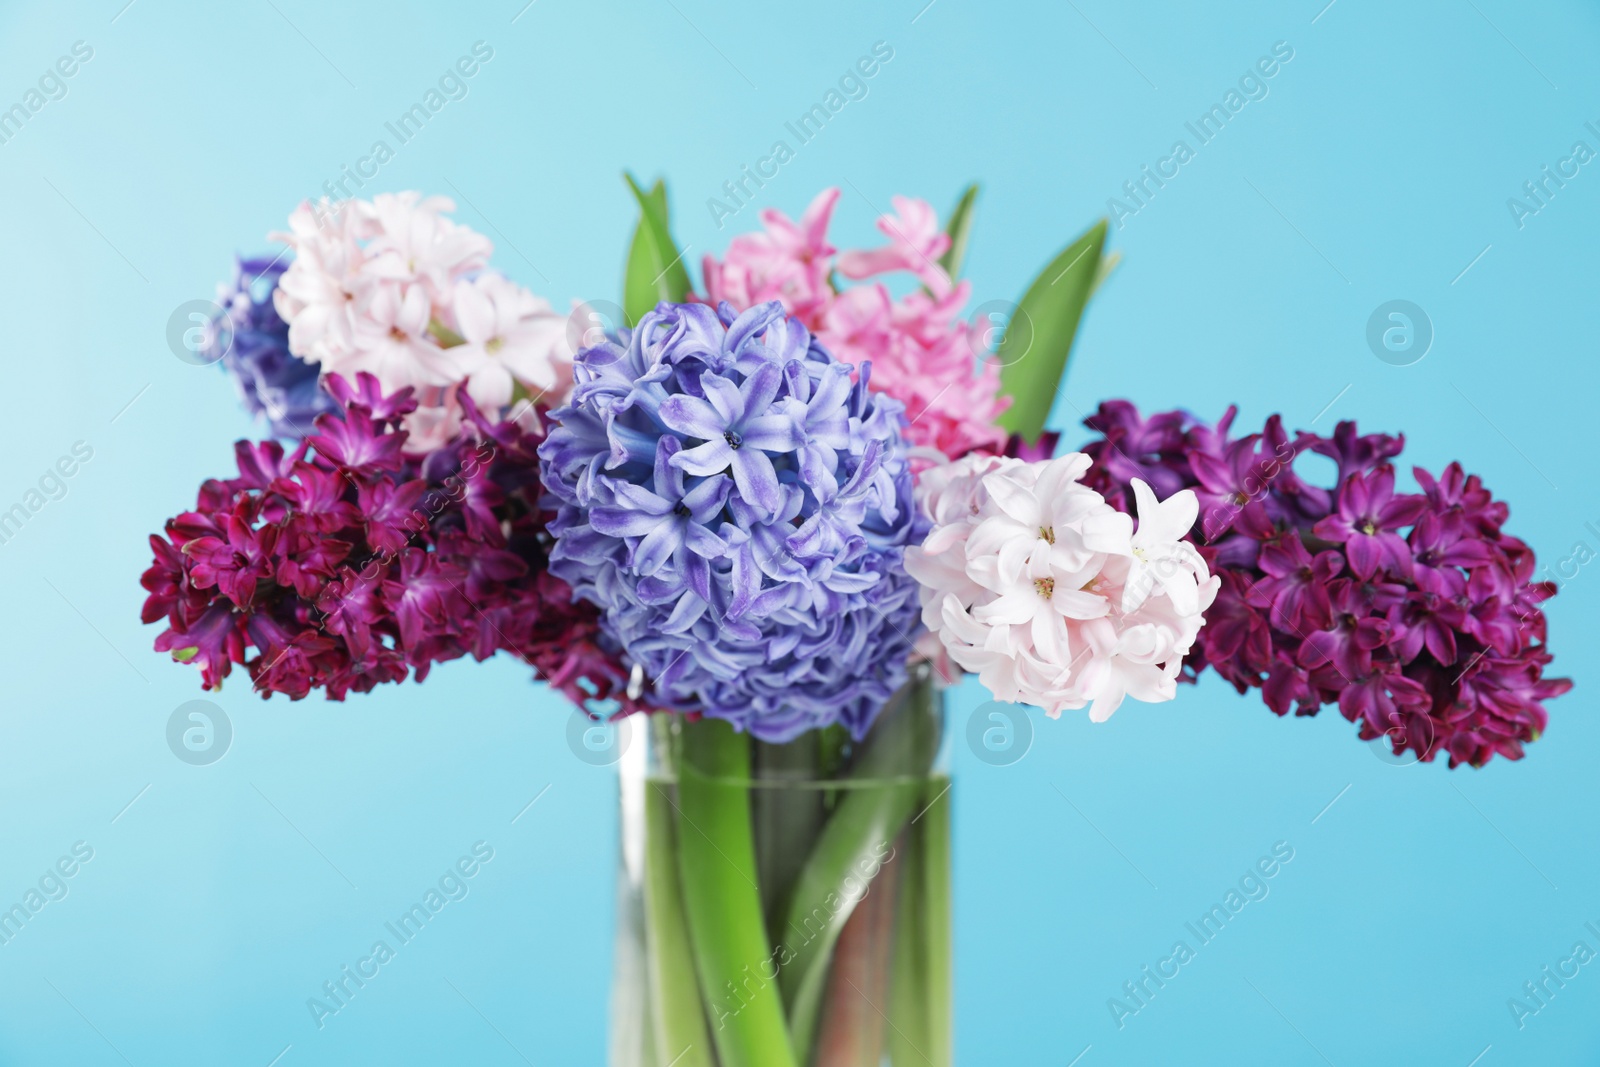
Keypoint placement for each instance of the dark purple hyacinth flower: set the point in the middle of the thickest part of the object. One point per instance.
(1413, 612)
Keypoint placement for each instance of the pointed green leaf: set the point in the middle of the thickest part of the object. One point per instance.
(639, 293)
(1033, 353)
(655, 269)
(959, 227)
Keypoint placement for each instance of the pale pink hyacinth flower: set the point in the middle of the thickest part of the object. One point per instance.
(922, 354)
(393, 287)
(512, 337)
(390, 340)
(1052, 597)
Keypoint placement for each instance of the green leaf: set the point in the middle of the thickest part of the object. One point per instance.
(639, 291)
(959, 227)
(655, 270)
(1033, 353)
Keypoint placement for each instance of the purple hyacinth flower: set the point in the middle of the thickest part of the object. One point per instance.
(1352, 451)
(1348, 644)
(738, 508)
(252, 343)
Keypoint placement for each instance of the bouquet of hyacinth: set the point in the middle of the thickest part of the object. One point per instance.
(776, 515)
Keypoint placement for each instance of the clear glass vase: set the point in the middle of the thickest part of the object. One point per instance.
(786, 905)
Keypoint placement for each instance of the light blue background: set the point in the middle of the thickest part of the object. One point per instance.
(1378, 167)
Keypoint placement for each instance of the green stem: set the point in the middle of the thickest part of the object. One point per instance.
(788, 813)
(851, 1030)
(677, 1022)
(908, 991)
(934, 846)
(717, 865)
(853, 847)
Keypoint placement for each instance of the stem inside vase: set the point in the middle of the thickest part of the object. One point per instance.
(795, 897)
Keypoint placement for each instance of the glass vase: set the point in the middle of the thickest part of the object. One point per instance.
(785, 905)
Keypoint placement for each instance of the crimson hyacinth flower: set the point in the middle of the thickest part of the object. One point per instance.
(1426, 620)
(1238, 631)
(1230, 482)
(1355, 452)
(344, 565)
(1458, 493)
(234, 561)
